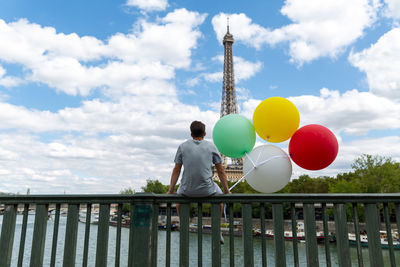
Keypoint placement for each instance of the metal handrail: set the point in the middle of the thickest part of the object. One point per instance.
(144, 211)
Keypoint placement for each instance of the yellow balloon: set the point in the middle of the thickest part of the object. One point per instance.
(276, 119)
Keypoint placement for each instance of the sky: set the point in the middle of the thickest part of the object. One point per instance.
(96, 96)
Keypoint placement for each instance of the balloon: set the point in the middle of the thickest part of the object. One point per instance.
(272, 173)
(276, 119)
(313, 147)
(234, 135)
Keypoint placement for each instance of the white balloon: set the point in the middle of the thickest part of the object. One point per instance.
(273, 168)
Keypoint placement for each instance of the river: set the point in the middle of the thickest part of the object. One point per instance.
(174, 248)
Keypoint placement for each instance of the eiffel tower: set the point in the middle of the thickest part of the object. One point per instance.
(233, 167)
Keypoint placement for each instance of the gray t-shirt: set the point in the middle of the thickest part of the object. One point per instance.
(197, 158)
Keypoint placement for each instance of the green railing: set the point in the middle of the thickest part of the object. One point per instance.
(380, 212)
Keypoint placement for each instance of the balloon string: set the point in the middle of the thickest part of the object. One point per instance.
(244, 176)
(247, 156)
(259, 154)
(271, 158)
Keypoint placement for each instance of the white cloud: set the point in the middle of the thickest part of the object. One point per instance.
(115, 144)
(319, 29)
(392, 9)
(8, 81)
(352, 112)
(381, 63)
(70, 63)
(148, 5)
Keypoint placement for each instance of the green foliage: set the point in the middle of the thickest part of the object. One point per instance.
(155, 186)
(306, 184)
(126, 207)
(127, 191)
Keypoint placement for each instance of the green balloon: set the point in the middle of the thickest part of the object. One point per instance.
(234, 135)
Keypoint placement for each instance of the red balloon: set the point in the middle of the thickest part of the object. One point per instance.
(313, 147)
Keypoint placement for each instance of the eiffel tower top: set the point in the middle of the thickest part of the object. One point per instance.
(228, 36)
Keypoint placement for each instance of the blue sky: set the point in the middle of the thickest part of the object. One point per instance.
(95, 96)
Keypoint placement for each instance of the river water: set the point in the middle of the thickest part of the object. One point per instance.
(174, 248)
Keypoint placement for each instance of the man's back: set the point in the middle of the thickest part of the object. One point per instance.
(197, 157)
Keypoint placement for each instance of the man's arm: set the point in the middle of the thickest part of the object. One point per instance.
(222, 177)
(174, 177)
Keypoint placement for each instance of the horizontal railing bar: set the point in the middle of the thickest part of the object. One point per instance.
(232, 198)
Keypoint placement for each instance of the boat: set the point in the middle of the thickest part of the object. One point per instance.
(288, 235)
(125, 221)
(382, 235)
(94, 217)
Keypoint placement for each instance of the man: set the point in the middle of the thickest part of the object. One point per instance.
(197, 157)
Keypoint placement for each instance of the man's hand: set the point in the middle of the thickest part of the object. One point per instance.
(227, 192)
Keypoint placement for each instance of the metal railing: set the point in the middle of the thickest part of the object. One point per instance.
(381, 213)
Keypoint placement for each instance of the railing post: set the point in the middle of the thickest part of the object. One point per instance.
(140, 234)
(215, 234)
(247, 235)
(184, 235)
(154, 235)
(310, 232)
(280, 256)
(71, 235)
(342, 236)
(39, 235)
(7, 234)
(374, 241)
(102, 235)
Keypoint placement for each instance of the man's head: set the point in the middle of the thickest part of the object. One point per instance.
(197, 129)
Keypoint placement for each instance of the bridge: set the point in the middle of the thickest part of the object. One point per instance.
(378, 209)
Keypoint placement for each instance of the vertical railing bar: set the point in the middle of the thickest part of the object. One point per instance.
(168, 237)
(374, 241)
(215, 235)
(23, 236)
(154, 235)
(294, 234)
(39, 235)
(263, 242)
(280, 256)
(389, 234)
(200, 234)
(118, 237)
(87, 234)
(55, 236)
(310, 233)
(397, 212)
(71, 235)
(102, 235)
(326, 236)
(7, 234)
(131, 236)
(184, 235)
(247, 235)
(342, 236)
(231, 236)
(357, 233)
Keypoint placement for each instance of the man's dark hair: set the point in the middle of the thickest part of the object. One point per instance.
(198, 129)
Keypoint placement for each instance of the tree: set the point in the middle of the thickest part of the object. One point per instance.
(377, 174)
(155, 186)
